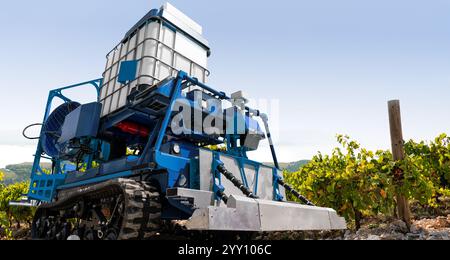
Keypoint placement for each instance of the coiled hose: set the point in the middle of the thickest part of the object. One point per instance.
(28, 127)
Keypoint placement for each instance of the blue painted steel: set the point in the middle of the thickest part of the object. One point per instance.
(245, 161)
(175, 93)
(119, 165)
(219, 94)
(147, 150)
(82, 122)
(194, 174)
(43, 187)
(127, 72)
(156, 155)
(89, 158)
(41, 192)
(173, 164)
(276, 187)
(123, 174)
(105, 151)
(218, 188)
(162, 92)
(242, 172)
(255, 189)
(69, 168)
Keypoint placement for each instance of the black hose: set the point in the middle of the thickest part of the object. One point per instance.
(295, 193)
(247, 192)
(26, 128)
(222, 196)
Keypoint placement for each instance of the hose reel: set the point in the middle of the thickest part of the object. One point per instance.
(51, 129)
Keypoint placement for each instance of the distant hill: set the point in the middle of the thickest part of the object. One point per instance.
(295, 166)
(291, 167)
(19, 172)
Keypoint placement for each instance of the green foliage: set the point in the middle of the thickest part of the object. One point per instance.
(13, 184)
(3, 218)
(219, 148)
(10, 215)
(427, 170)
(358, 182)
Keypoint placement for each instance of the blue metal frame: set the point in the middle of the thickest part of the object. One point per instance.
(276, 187)
(174, 165)
(43, 185)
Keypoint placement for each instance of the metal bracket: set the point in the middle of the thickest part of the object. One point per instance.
(218, 189)
(276, 188)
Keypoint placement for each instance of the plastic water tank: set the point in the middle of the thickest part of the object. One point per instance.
(164, 42)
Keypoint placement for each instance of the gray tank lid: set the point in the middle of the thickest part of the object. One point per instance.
(175, 18)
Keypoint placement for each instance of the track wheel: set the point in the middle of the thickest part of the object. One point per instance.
(142, 211)
(111, 234)
(42, 226)
(90, 235)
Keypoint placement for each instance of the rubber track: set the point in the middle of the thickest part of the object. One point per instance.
(142, 212)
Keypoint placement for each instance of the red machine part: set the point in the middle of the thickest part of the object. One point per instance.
(133, 128)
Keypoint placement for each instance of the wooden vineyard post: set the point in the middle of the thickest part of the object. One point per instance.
(398, 153)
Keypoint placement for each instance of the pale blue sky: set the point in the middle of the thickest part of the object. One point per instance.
(333, 65)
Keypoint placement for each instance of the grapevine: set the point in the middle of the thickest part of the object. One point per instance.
(360, 183)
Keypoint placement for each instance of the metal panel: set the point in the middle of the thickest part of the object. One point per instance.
(281, 188)
(205, 164)
(240, 215)
(244, 214)
(186, 25)
(265, 183)
(206, 179)
(202, 199)
(264, 179)
(250, 175)
(233, 167)
(178, 15)
(278, 216)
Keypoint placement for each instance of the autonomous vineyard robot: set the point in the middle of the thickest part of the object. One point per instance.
(159, 145)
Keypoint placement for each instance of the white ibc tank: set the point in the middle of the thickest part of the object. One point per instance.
(163, 43)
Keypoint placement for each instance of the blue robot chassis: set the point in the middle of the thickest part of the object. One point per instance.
(154, 161)
(115, 194)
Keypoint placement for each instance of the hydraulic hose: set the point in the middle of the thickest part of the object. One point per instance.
(247, 192)
(28, 127)
(295, 193)
(222, 196)
(269, 137)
